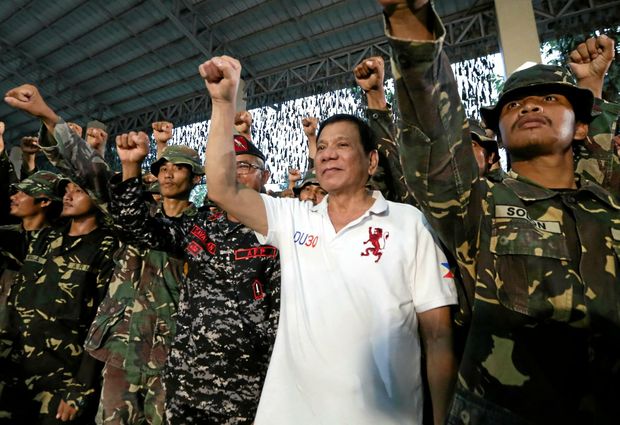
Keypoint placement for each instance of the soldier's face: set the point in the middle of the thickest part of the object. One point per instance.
(175, 181)
(533, 126)
(76, 202)
(312, 192)
(341, 163)
(254, 177)
(24, 205)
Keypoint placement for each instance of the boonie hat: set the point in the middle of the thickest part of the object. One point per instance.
(536, 80)
(179, 154)
(309, 178)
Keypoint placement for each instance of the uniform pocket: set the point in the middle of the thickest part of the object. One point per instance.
(524, 256)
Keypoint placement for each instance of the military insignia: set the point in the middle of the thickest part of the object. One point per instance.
(257, 289)
(377, 240)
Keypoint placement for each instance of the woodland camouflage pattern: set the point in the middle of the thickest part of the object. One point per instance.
(135, 322)
(544, 342)
(51, 306)
(228, 310)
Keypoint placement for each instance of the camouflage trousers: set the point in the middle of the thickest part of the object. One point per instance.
(182, 414)
(126, 403)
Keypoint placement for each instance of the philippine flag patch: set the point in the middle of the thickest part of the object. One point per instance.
(445, 268)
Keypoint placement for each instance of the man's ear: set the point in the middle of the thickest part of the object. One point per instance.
(373, 162)
(265, 177)
(45, 203)
(581, 131)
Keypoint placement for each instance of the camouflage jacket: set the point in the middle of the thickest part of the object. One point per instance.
(389, 176)
(544, 342)
(135, 323)
(14, 241)
(51, 306)
(228, 309)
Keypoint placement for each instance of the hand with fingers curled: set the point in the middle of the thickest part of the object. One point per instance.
(76, 128)
(30, 145)
(162, 131)
(243, 123)
(310, 125)
(221, 75)
(132, 147)
(28, 99)
(370, 73)
(66, 412)
(294, 175)
(591, 60)
(96, 137)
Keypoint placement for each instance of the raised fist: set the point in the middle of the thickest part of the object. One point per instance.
(162, 131)
(294, 175)
(243, 122)
(310, 124)
(592, 58)
(30, 145)
(76, 128)
(221, 75)
(369, 74)
(28, 99)
(96, 137)
(1, 136)
(132, 147)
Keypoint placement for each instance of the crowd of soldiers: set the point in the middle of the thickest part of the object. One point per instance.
(406, 278)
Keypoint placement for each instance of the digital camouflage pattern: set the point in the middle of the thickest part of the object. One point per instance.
(544, 341)
(51, 307)
(135, 322)
(228, 310)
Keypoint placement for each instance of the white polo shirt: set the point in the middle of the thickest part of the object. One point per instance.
(347, 349)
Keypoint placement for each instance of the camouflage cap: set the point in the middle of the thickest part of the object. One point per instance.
(179, 154)
(43, 184)
(479, 135)
(309, 178)
(539, 80)
(244, 146)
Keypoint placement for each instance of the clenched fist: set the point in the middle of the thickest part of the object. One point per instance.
(28, 99)
(221, 75)
(310, 124)
(162, 131)
(132, 147)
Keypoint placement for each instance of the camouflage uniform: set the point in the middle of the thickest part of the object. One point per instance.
(51, 306)
(228, 310)
(14, 239)
(544, 342)
(135, 323)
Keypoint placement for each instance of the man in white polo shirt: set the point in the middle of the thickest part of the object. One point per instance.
(360, 275)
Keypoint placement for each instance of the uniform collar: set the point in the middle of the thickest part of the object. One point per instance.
(530, 191)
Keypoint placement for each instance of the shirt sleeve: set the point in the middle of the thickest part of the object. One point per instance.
(280, 212)
(432, 284)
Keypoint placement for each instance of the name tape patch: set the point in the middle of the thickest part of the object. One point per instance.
(511, 211)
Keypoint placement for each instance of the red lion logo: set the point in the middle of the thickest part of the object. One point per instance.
(377, 240)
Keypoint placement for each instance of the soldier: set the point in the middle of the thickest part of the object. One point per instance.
(540, 247)
(46, 376)
(229, 303)
(309, 189)
(359, 274)
(37, 203)
(135, 324)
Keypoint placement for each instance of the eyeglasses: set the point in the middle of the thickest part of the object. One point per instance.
(245, 167)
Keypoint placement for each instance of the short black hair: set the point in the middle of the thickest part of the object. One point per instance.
(366, 135)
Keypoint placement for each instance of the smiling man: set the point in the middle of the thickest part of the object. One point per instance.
(540, 247)
(359, 275)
